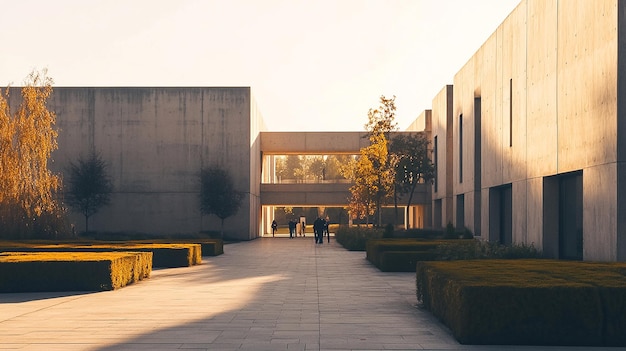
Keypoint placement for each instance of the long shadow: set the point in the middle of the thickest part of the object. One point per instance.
(35, 296)
(255, 312)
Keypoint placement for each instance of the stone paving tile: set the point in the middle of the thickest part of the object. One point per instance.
(267, 294)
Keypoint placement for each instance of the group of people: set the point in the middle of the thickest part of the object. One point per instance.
(320, 227)
(293, 224)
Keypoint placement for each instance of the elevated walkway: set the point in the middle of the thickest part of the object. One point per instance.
(324, 194)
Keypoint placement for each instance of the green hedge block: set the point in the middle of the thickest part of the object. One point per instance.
(402, 261)
(213, 247)
(72, 271)
(356, 238)
(209, 247)
(527, 302)
(164, 255)
(385, 253)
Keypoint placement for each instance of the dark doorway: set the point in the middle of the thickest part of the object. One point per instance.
(501, 214)
(563, 216)
(571, 216)
(460, 212)
(437, 214)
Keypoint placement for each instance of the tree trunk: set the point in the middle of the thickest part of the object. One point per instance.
(395, 201)
(408, 204)
(86, 224)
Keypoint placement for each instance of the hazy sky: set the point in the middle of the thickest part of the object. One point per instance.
(313, 65)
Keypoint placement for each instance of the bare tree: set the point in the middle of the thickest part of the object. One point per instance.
(411, 159)
(89, 186)
(218, 195)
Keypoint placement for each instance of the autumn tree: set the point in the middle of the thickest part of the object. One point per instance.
(412, 163)
(382, 119)
(28, 189)
(89, 186)
(373, 172)
(218, 195)
(361, 202)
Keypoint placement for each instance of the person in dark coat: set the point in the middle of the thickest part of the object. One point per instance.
(292, 228)
(274, 227)
(326, 231)
(318, 228)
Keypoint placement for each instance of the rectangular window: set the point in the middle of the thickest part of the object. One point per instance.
(477, 164)
(510, 112)
(461, 148)
(435, 152)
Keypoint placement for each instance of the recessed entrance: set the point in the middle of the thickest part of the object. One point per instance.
(501, 214)
(563, 216)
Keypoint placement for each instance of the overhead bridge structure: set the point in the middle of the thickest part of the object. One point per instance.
(322, 193)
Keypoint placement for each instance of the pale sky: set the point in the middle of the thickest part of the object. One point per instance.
(313, 65)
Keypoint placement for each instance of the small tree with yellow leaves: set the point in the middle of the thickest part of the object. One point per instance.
(373, 173)
(28, 207)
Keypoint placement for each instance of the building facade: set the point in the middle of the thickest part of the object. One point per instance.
(155, 142)
(528, 142)
(530, 138)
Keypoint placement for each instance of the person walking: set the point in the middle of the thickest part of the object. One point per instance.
(292, 228)
(274, 227)
(318, 228)
(326, 223)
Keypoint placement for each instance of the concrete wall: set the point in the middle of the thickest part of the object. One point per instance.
(155, 141)
(328, 194)
(303, 195)
(546, 83)
(312, 143)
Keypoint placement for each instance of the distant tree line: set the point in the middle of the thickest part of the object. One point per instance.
(310, 168)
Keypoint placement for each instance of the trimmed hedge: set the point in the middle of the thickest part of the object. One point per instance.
(401, 255)
(72, 271)
(527, 301)
(209, 247)
(164, 255)
(402, 261)
(419, 233)
(355, 238)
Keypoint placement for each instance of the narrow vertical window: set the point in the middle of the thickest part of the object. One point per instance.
(510, 112)
(461, 148)
(436, 158)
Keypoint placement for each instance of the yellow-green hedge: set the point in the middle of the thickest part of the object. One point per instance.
(209, 247)
(72, 271)
(529, 302)
(164, 255)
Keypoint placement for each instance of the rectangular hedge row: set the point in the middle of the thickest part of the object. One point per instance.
(72, 271)
(527, 301)
(209, 247)
(401, 255)
(164, 255)
(356, 238)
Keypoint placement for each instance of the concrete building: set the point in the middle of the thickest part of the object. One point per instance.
(530, 139)
(156, 140)
(527, 142)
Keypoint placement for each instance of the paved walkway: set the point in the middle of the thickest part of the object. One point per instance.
(267, 294)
